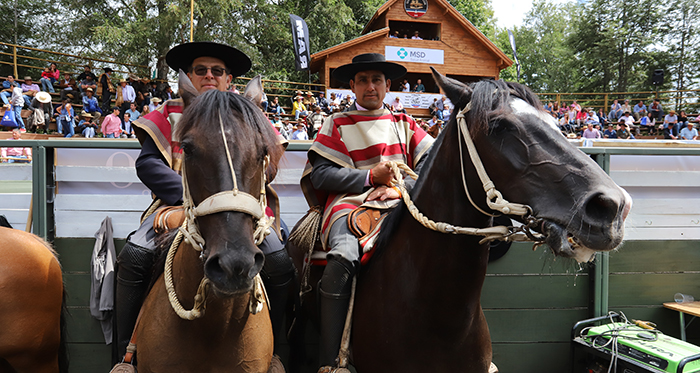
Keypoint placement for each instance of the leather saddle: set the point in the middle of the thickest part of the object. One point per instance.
(168, 217)
(363, 220)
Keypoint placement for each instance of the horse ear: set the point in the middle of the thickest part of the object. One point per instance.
(254, 90)
(187, 91)
(458, 92)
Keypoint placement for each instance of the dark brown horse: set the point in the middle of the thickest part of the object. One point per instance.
(417, 307)
(227, 337)
(31, 305)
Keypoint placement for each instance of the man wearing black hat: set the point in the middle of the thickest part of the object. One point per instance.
(106, 89)
(208, 66)
(347, 168)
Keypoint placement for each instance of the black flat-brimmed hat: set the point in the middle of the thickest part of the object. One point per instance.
(369, 61)
(182, 56)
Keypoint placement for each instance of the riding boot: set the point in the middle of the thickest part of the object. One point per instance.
(133, 277)
(277, 275)
(334, 291)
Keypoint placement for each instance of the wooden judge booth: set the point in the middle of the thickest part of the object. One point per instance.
(448, 42)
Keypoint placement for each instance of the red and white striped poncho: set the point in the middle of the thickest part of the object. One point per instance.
(361, 140)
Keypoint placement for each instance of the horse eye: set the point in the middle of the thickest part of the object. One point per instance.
(186, 147)
(499, 126)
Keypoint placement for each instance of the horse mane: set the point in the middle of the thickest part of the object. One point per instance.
(489, 101)
(204, 112)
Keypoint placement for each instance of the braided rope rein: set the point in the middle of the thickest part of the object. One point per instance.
(494, 198)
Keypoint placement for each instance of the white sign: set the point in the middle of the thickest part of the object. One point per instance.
(408, 99)
(421, 55)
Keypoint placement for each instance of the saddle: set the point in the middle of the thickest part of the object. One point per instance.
(363, 220)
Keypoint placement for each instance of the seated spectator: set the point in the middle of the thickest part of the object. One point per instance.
(656, 110)
(416, 36)
(629, 121)
(670, 132)
(263, 102)
(86, 126)
(405, 87)
(433, 107)
(88, 82)
(155, 102)
(446, 113)
(233, 89)
(419, 88)
(134, 114)
(277, 123)
(574, 110)
(626, 107)
(590, 132)
(145, 110)
(127, 130)
(682, 119)
(581, 118)
(16, 154)
(610, 133)
(649, 122)
(333, 103)
(640, 110)
(394, 35)
(346, 102)
(17, 102)
(397, 106)
(298, 109)
(66, 119)
(592, 118)
(324, 103)
(602, 118)
(274, 107)
(310, 101)
(85, 74)
(440, 106)
(300, 133)
(622, 132)
(689, 133)
(152, 91)
(615, 111)
(316, 121)
(111, 125)
(90, 104)
(433, 121)
(671, 119)
(41, 112)
(7, 87)
(287, 129)
(29, 89)
(168, 94)
(563, 110)
(49, 77)
(68, 87)
(548, 107)
(555, 109)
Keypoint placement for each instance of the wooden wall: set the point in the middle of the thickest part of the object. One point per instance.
(465, 54)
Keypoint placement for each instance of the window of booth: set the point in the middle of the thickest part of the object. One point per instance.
(427, 31)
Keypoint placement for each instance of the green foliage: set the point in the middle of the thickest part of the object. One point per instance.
(479, 13)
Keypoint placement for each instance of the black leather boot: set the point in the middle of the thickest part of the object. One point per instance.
(134, 265)
(277, 275)
(334, 295)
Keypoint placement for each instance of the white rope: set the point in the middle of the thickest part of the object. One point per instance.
(200, 298)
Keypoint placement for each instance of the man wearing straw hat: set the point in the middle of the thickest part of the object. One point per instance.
(347, 168)
(42, 110)
(209, 66)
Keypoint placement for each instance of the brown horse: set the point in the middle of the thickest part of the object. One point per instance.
(227, 337)
(31, 310)
(417, 307)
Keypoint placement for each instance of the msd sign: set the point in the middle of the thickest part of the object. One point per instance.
(420, 55)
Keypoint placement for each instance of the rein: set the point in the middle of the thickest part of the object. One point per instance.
(230, 200)
(494, 199)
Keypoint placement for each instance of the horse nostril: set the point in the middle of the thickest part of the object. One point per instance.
(601, 208)
(213, 269)
(257, 266)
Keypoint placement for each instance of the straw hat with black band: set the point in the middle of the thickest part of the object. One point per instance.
(43, 97)
(369, 61)
(182, 56)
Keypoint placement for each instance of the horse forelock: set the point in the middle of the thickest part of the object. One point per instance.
(234, 110)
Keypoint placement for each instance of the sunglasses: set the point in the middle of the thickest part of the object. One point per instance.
(202, 70)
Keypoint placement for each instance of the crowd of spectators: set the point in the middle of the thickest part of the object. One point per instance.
(622, 120)
(132, 97)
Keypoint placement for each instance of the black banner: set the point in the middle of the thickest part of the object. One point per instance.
(300, 35)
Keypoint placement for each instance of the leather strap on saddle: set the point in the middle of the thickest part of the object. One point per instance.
(168, 217)
(363, 220)
(127, 365)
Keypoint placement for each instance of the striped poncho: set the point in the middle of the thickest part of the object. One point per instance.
(361, 140)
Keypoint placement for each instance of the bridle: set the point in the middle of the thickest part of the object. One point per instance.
(494, 198)
(229, 200)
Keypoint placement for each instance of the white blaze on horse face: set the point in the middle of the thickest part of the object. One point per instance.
(521, 107)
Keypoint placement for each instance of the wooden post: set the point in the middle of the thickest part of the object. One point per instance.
(191, 21)
(14, 60)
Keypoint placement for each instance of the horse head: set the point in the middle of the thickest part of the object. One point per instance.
(229, 151)
(576, 205)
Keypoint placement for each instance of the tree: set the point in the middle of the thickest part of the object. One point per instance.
(479, 13)
(683, 39)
